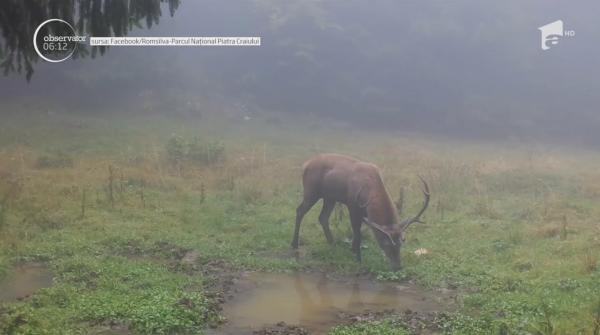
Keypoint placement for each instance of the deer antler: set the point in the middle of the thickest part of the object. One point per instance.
(406, 223)
(380, 228)
(400, 201)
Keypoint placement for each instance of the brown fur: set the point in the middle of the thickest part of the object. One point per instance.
(359, 186)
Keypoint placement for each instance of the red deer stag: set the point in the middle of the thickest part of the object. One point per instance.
(358, 185)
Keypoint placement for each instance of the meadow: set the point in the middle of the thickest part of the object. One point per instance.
(113, 202)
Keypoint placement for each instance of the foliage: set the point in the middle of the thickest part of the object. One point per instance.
(54, 160)
(18, 56)
(206, 152)
(195, 150)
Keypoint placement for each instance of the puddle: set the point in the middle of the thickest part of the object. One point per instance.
(317, 302)
(24, 280)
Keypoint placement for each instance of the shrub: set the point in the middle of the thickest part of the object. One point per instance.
(206, 152)
(54, 161)
(195, 150)
(176, 149)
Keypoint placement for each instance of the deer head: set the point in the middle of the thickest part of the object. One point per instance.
(392, 236)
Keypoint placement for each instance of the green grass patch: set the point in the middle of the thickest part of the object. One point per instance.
(386, 327)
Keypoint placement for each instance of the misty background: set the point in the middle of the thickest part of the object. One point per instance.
(465, 69)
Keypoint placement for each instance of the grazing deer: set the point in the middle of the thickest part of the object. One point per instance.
(358, 185)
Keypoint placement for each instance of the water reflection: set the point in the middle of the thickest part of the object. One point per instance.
(315, 301)
(19, 19)
(24, 280)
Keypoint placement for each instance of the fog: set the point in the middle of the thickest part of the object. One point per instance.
(386, 166)
(457, 68)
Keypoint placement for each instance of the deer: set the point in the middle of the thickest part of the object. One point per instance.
(359, 186)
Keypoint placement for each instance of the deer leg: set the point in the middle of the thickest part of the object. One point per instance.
(304, 207)
(328, 206)
(356, 222)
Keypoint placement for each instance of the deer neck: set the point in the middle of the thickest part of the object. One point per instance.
(380, 209)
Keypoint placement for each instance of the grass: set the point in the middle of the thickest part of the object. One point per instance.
(370, 328)
(513, 229)
(113, 290)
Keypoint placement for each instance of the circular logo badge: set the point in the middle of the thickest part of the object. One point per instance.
(55, 40)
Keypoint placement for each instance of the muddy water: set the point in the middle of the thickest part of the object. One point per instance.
(316, 302)
(24, 280)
